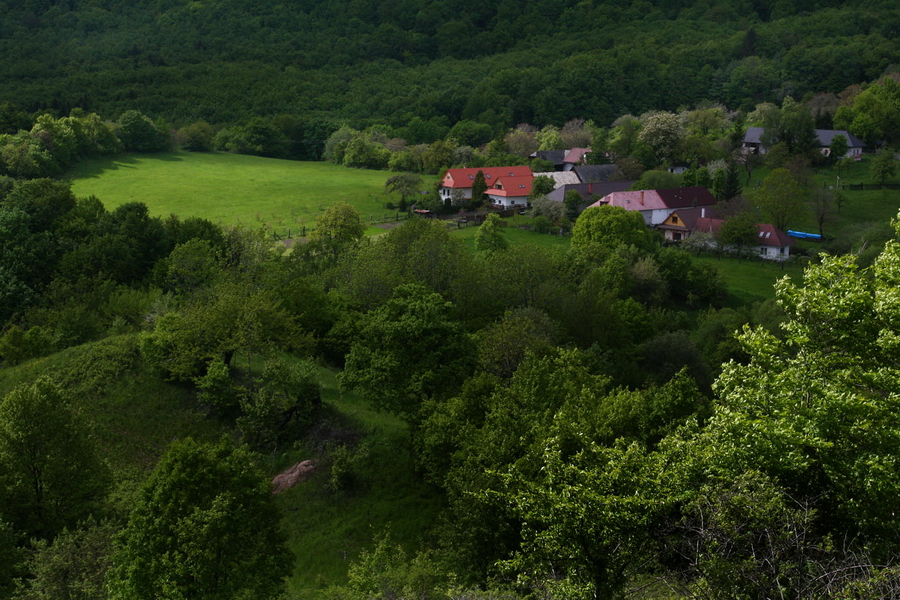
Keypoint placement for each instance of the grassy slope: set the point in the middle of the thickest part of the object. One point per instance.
(134, 414)
(231, 188)
(327, 529)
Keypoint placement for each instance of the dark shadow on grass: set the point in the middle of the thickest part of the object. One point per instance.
(94, 168)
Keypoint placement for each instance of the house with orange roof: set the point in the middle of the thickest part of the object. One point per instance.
(463, 179)
(510, 191)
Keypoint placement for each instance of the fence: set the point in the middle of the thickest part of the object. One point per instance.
(860, 187)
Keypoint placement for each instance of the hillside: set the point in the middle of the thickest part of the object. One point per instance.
(496, 62)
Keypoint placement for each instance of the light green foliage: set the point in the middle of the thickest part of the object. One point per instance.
(657, 180)
(405, 184)
(551, 210)
(338, 229)
(874, 114)
(228, 319)
(409, 350)
(196, 137)
(738, 231)
(585, 519)
(781, 198)
(541, 186)
(838, 148)
(205, 527)
(823, 400)
(489, 237)
(73, 566)
(548, 138)
(50, 473)
(600, 229)
(21, 155)
(663, 133)
(883, 165)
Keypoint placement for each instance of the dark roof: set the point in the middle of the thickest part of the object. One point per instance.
(589, 191)
(824, 136)
(557, 157)
(595, 173)
(687, 197)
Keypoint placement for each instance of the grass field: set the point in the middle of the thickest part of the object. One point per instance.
(232, 189)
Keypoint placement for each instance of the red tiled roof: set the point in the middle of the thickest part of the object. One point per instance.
(769, 235)
(464, 178)
(511, 187)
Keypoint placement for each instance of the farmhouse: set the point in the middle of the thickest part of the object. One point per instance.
(510, 191)
(771, 242)
(563, 160)
(656, 205)
(462, 179)
(753, 141)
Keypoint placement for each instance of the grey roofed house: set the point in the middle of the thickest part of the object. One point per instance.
(753, 141)
(595, 173)
(590, 192)
(557, 157)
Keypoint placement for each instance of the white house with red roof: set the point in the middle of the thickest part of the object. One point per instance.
(771, 242)
(463, 179)
(656, 205)
(511, 191)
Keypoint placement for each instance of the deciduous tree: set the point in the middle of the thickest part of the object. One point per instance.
(205, 526)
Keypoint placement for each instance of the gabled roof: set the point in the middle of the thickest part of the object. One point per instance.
(687, 197)
(464, 178)
(769, 235)
(560, 178)
(511, 187)
(589, 191)
(557, 157)
(576, 155)
(688, 217)
(659, 199)
(824, 137)
(595, 173)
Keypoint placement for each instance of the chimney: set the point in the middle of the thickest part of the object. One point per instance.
(591, 188)
(642, 197)
(702, 213)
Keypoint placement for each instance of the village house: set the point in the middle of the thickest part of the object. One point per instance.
(509, 192)
(753, 141)
(771, 242)
(563, 160)
(462, 179)
(656, 205)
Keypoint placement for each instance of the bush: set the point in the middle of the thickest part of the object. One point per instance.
(541, 224)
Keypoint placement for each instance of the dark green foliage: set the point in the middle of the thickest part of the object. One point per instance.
(139, 134)
(205, 526)
(479, 187)
(409, 350)
(11, 559)
(51, 474)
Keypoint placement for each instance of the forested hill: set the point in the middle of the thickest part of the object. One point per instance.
(500, 62)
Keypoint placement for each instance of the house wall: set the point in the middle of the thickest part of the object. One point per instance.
(447, 192)
(509, 202)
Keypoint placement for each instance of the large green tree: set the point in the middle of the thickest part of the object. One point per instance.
(409, 350)
(51, 474)
(205, 527)
(782, 198)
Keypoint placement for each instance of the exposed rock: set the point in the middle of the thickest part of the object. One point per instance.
(292, 476)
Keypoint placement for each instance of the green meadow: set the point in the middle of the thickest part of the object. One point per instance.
(232, 189)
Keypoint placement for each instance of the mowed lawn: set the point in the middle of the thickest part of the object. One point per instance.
(232, 189)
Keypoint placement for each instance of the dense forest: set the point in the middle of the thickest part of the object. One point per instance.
(497, 62)
(597, 420)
